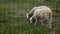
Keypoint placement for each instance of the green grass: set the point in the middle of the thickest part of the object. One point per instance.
(13, 20)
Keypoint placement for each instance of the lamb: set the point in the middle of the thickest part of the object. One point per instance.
(44, 14)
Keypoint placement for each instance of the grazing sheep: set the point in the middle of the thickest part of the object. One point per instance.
(28, 15)
(44, 14)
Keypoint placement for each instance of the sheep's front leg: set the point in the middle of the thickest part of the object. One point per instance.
(35, 22)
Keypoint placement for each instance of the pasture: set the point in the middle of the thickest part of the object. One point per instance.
(13, 17)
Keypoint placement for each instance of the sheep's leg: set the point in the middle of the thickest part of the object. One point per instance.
(50, 25)
(35, 22)
(50, 21)
(42, 22)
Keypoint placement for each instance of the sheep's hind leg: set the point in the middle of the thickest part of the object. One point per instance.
(42, 22)
(50, 25)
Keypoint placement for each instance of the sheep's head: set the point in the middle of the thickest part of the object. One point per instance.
(28, 16)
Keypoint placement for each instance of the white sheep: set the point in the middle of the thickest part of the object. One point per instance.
(28, 15)
(44, 14)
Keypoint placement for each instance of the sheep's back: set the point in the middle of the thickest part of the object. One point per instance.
(42, 12)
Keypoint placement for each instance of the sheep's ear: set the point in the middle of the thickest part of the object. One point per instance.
(27, 10)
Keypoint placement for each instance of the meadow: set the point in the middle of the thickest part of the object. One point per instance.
(13, 17)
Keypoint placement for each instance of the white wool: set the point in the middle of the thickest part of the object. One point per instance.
(42, 12)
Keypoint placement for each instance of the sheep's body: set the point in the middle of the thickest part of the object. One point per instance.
(43, 13)
(32, 11)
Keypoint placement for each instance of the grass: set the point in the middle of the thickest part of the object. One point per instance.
(13, 20)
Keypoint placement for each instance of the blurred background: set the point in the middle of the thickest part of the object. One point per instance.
(13, 16)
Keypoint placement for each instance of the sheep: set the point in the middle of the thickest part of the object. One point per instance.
(28, 15)
(44, 14)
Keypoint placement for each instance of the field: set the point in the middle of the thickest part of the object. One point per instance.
(13, 17)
